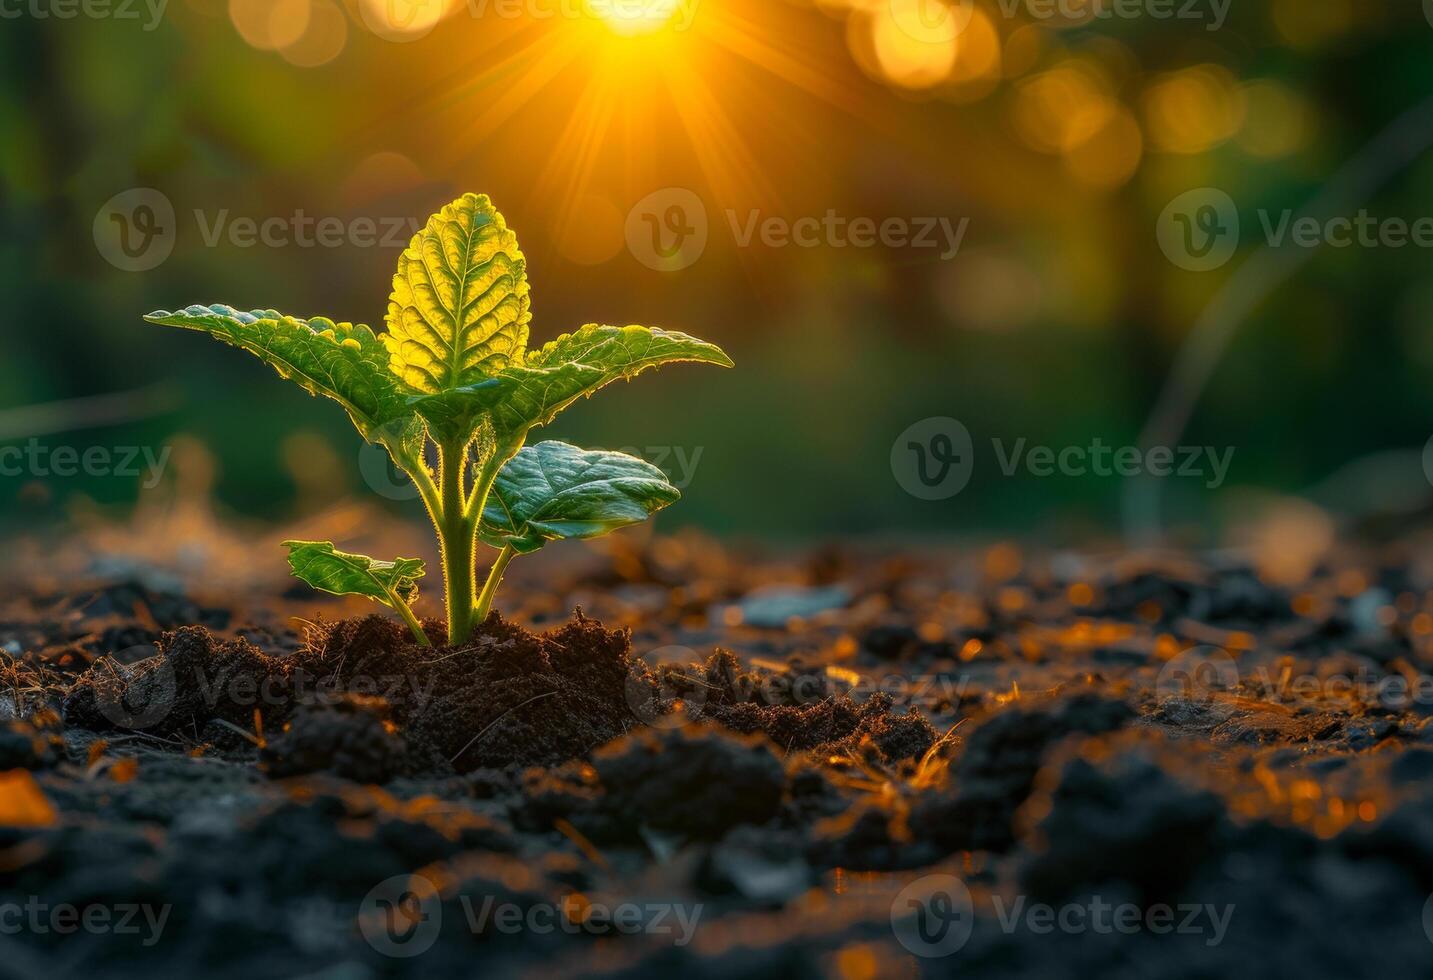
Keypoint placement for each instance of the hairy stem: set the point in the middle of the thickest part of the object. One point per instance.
(403, 610)
(457, 533)
(495, 577)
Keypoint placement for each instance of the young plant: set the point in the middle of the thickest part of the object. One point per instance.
(454, 373)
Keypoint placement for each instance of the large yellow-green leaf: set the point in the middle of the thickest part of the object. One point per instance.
(337, 360)
(459, 308)
(552, 491)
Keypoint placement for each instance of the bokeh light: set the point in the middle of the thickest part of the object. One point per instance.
(1194, 109)
(270, 24)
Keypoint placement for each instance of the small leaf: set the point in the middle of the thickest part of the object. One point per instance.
(552, 490)
(459, 308)
(322, 566)
(337, 360)
(626, 351)
(575, 365)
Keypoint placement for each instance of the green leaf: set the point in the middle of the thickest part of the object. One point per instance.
(551, 490)
(322, 566)
(459, 308)
(575, 365)
(624, 352)
(337, 360)
(513, 402)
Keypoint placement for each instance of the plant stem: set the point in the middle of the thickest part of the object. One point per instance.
(495, 576)
(457, 532)
(412, 620)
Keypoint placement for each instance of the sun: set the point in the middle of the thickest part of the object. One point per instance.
(634, 18)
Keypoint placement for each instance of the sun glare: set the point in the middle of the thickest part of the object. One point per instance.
(633, 18)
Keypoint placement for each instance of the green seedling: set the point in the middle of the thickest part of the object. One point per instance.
(453, 378)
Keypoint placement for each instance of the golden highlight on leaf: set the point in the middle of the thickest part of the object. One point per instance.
(459, 308)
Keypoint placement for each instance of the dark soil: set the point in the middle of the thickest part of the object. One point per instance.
(331, 800)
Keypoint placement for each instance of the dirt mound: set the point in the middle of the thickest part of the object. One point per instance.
(996, 770)
(509, 696)
(799, 709)
(361, 699)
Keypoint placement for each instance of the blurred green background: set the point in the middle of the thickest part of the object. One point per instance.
(1061, 138)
